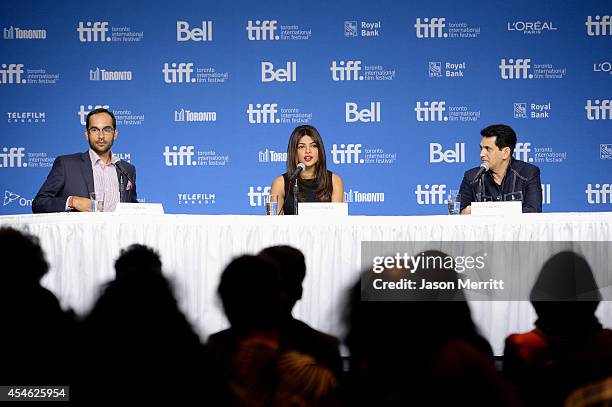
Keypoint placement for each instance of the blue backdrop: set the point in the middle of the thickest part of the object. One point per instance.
(207, 93)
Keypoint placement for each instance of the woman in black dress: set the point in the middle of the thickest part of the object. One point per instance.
(315, 182)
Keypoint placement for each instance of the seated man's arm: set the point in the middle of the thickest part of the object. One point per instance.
(47, 199)
(532, 199)
(466, 194)
(134, 197)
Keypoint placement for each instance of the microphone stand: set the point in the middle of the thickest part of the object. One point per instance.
(479, 194)
(296, 192)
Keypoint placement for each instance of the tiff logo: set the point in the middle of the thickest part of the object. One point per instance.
(262, 30)
(83, 113)
(95, 33)
(438, 155)
(353, 114)
(256, 195)
(12, 157)
(430, 27)
(600, 194)
(197, 34)
(598, 26)
(179, 156)
(433, 195)
(518, 69)
(347, 154)
(11, 73)
(263, 113)
(430, 112)
(346, 71)
(178, 74)
(288, 74)
(521, 152)
(598, 110)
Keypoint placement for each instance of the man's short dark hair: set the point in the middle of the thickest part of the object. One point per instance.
(506, 137)
(101, 110)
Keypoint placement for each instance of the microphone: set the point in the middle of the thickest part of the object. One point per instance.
(300, 167)
(484, 167)
(117, 162)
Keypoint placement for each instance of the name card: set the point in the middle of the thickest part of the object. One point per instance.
(497, 208)
(329, 209)
(142, 208)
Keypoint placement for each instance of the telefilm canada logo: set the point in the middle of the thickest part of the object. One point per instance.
(439, 69)
(189, 73)
(26, 117)
(103, 32)
(19, 74)
(17, 33)
(524, 110)
(123, 116)
(196, 198)
(368, 29)
(272, 30)
(442, 28)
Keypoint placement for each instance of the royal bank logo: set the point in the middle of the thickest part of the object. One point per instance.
(354, 196)
(598, 25)
(439, 27)
(446, 69)
(100, 74)
(371, 114)
(185, 115)
(11, 198)
(197, 34)
(524, 68)
(196, 198)
(599, 194)
(16, 33)
(257, 194)
(433, 194)
(531, 27)
(605, 151)
(270, 30)
(523, 110)
(101, 32)
(26, 117)
(288, 73)
(598, 109)
(272, 156)
(123, 156)
(353, 29)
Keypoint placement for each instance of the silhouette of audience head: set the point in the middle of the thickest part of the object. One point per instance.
(292, 272)
(138, 261)
(23, 259)
(250, 291)
(565, 291)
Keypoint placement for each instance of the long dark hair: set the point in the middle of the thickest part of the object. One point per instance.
(324, 189)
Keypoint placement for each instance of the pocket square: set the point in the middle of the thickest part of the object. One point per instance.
(129, 185)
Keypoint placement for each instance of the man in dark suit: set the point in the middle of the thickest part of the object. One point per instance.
(74, 177)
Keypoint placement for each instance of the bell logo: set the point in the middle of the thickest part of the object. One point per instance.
(83, 113)
(349, 154)
(11, 73)
(598, 25)
(598, 109)
(430, 27)
(430, 112)
(288, 74)
(600, 194)
(546, 194)
(256, 195)
(12, 157)
(437, 155)
(353, 114)
(346, 71)
(521, 152)
(178, 74)
(183, 33)
(262, 30)
(93, 33)
(433, 195)
(263, 113)
(179, 156)
(518, 69)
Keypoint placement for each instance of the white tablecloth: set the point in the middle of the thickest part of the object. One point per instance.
(81, 249)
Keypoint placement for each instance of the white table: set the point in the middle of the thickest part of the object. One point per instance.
(81, 249)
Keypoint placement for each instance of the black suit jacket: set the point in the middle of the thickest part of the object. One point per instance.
(72, 175)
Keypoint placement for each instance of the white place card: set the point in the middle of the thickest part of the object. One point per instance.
(142, 208)
(497, 208)
(333, 209)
